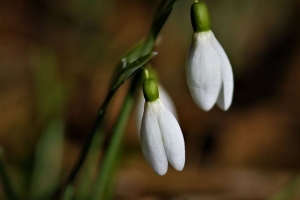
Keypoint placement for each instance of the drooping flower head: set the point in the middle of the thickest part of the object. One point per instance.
(209, 73)
(163, 95)
(161, 136)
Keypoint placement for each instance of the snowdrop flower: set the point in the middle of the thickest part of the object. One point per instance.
(209, 73)
(164, 96)
(161, 137)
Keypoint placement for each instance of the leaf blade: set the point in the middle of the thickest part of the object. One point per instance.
(131, 69)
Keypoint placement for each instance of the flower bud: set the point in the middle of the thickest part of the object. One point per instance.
(200, 17)
(150, 90)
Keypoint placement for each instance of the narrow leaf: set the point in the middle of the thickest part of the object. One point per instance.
(162, 13)
(135, 52)
(131, 68)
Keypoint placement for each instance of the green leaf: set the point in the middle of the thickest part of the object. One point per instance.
(131, 56)
(48, 161)
(122, 77)
(132, 68)
(161, 16)
(69, 192)
(162, 13)
(104, 179)
(118, 68)
(135, 52)
(145, 46)
(90, 167)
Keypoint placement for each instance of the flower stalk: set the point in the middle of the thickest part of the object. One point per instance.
(109, 161)
(122, 77)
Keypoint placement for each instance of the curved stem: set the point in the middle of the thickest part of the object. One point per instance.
(84, 187)
(113, 149)
(68, 192)
(123, 76)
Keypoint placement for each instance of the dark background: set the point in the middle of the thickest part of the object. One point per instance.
(57, 57)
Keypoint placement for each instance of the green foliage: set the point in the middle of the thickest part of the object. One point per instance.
(51, 99)
(88, 171)
(131, 68)
(69, 192)
(48, 161)
(161, 16)
(110, 159)
(128, 70)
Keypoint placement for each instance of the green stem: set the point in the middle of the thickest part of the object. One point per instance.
(112, 152)
(69, 192)
(87, 175)
(87, 144)
(123, 76)
(6, 183)
(110, 185)
(109, 161)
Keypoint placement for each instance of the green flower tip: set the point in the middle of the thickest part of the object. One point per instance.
(200, 17)
(150, 90)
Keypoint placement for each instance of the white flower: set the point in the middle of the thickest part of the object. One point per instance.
(209, 73)
(161, 138)
(164, 96)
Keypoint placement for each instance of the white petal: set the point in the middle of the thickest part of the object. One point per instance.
(163, 95)
(225, 96)
(152, 144)
(203, 70)
(168, 102)
(172, 138)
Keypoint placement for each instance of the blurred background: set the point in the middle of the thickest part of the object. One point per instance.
(56, 61)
